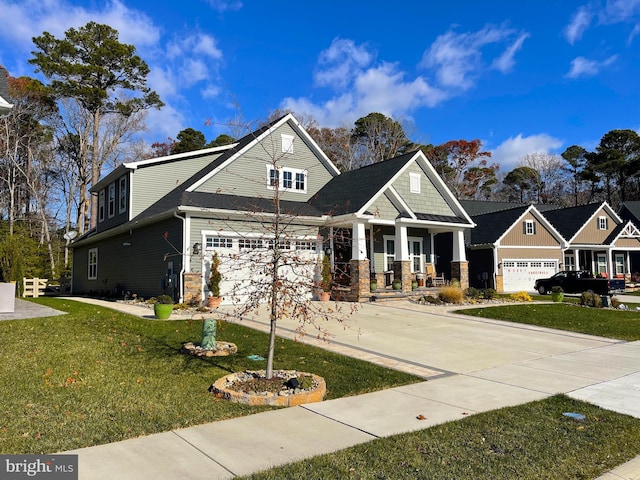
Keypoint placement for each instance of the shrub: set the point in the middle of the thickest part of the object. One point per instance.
(430, 299)
(615, 303)
(590, 299)
(473, 293)
(450, 294)
(521, 297)
(165, 299)
(489, 293)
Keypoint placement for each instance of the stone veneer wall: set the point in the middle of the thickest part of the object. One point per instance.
(360, 286)
(460, 270)
(402, 270)
(192, 288)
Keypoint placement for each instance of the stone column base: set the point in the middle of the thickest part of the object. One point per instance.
(360, 284)
(460, 270)
(402, 270)
(192, 288)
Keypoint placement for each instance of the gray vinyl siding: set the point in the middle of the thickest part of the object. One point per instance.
(139, 268)
(429, 200)
(383, 208)
(234, 228)
(247, 175)
(152, 182)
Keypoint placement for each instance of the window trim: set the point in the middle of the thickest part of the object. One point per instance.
(415, 180)
(529, 227)
(111, 200)
(92, 264)
(122, 194)
(277, 179)
(287, 143)
(101, 205)
(603, 223)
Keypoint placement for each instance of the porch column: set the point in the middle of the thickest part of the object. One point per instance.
(402, 265)
(459, 264)
(611, 269)
(360, 282)
(576, 259)
(359, 242)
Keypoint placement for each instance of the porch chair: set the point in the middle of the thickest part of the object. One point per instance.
(438, 280)
(433, 279)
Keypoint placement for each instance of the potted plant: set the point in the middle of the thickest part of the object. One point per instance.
(325, 283)
(163, 307)
(373, 284)
(414, 284)
(213, 284)
(557, 294)
(396, 284)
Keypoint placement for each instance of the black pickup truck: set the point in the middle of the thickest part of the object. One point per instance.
(578, 281)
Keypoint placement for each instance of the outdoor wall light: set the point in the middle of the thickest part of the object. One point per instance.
(327, 251)
(126, 244)
(196, 248)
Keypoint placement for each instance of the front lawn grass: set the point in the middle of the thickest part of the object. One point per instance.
(97, 376)
(603, 322)
(532, 441)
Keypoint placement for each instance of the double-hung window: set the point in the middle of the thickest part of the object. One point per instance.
(289, 179)
(112, 200)
(92, 271)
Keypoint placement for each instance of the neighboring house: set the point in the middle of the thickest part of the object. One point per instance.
(510, 247)
(5, 106)
(160, 220)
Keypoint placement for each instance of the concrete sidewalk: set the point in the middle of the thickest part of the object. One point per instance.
(472, 365)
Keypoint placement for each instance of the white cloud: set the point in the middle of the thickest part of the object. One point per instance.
(381, 88)
(458, 57)
(505, 62)
(583, 67)
(580, 21)
(225, 5)
(341, 62)
(510, 152)
(201, 44)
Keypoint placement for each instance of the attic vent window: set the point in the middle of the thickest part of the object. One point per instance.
(414, 182)
(287, 143)
(602, 223)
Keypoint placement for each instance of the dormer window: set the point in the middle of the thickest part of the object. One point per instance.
(603, 223)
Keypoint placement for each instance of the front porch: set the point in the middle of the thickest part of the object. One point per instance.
(361, 255)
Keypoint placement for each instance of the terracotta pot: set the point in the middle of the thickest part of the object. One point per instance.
(213, 302)
(325, 296)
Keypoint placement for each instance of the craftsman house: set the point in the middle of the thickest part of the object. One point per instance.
(513, 245)
(160, 220)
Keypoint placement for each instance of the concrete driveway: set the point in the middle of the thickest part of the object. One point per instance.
(470, 365)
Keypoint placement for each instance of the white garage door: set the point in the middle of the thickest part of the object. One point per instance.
(245, 265)
(520, 275)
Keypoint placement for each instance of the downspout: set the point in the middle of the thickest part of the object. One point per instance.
(494, 249)
(184, 254)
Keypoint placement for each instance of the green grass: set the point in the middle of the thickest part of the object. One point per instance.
(610, 323)
(532, 441)
(96, 376)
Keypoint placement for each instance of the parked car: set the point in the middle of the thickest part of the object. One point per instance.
(578, 281)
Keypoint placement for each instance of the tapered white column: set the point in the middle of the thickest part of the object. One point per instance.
(359, 242)
(459, 254)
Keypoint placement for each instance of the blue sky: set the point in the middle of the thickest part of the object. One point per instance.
(523, 77)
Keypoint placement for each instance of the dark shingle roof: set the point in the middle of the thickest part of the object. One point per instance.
(440, 218)
(631, 211)
(350, 191)
(480, 207)
(569, 220)
(491, 226)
